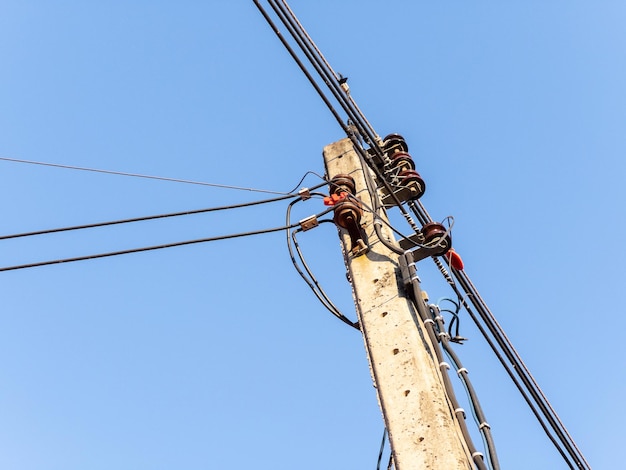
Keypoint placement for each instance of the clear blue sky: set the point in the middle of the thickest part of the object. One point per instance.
(217, 355)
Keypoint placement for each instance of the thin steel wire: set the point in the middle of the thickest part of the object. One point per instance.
(139, 175)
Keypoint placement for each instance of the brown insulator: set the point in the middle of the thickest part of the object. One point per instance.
(402, 161)
(436, 238)
(342, 183)
(395, 142)
(412, 180)
(347, 212)
(348, 216)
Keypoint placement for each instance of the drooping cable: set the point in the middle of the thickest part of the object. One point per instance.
(454, 322)
(306, 274)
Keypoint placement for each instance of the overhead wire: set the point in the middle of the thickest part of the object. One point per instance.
(152, 217)
(513, 364)
(483, 425)
(499, 346)
(435, 339)
(149, 248)
(336, 76)
(509, 369)
(329, 78)
(139, 175)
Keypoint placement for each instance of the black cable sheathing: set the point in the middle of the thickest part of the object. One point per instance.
(335, 89)
(484, 428)
(429, 325)
(153, 217)
(311, 280)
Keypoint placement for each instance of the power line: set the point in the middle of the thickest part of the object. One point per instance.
(147, 248)
(139, 175)
(374, 157)
(150, 217)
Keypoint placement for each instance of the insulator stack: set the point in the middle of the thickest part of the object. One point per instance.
(348, 211)
(399, 171)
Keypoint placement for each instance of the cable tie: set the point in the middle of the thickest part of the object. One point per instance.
(460, 410)
(462, 369)
(478, 454)
(439, 318)
(447, 366)
(443, 334)
(429, 320)
(484, 425)
(304, 193)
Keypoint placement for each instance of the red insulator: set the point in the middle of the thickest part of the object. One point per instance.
(455, 259)
(437, 238)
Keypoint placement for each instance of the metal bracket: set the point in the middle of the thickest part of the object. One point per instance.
(304, 193)
(309, 223)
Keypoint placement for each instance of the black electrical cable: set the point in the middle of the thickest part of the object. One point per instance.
(147, 248)
(335, 90)
(454, 322)
(323, 68)
(311, 280)
(301, 65)
(382, 448)
(531, 385)
(512, 372)
(336, 76)
(502, 333)
(429, 324)
(567, 446)
(484, 428)
(325, 181)
(329, 78)
(152, 217)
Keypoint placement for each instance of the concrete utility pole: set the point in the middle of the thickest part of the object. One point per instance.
(423, 431)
